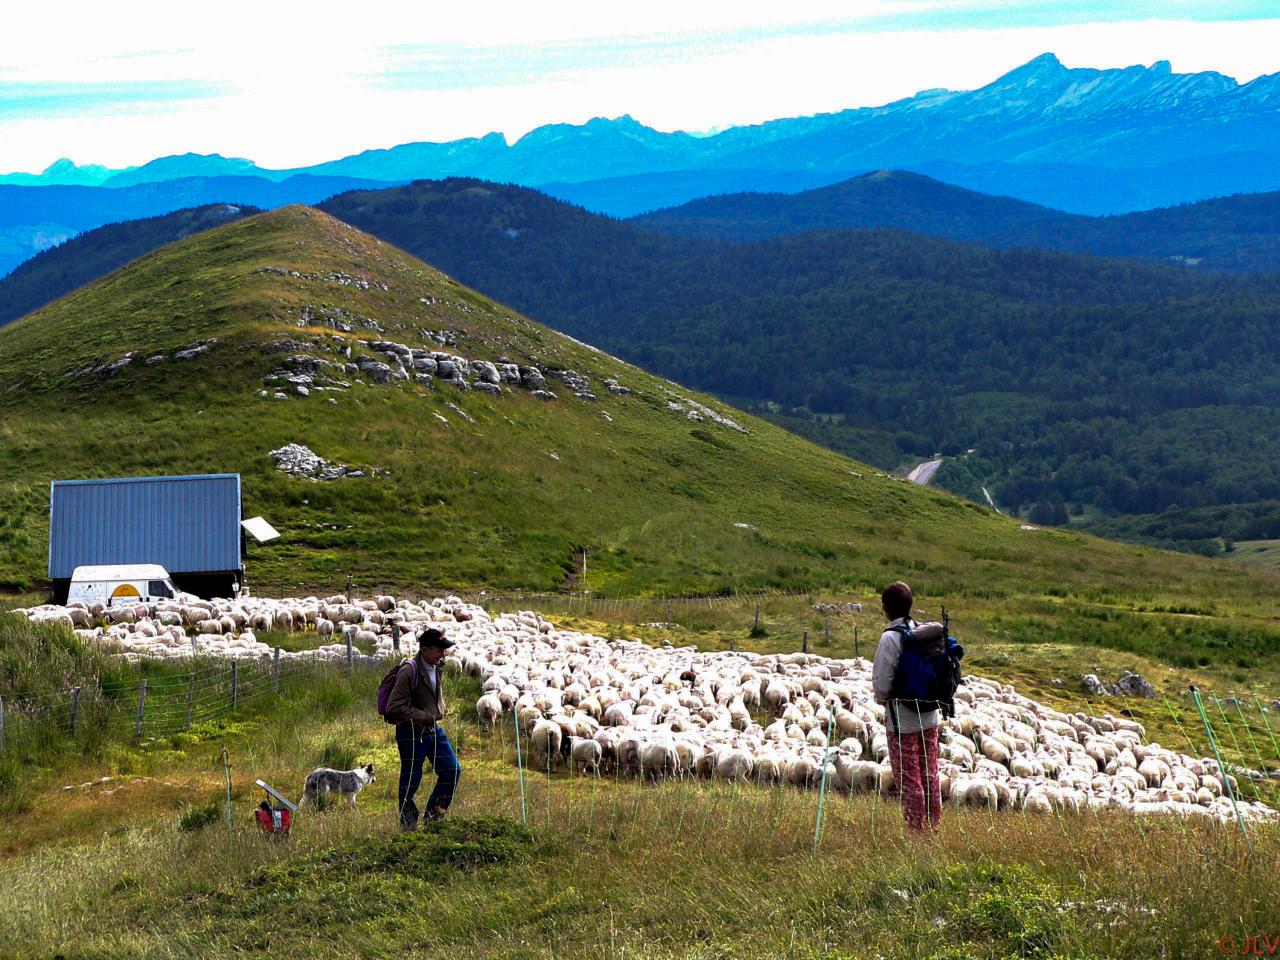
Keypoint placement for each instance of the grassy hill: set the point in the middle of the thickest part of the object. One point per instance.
(1067, 386)
(505, 492)
(1114, 385)
(95, 253)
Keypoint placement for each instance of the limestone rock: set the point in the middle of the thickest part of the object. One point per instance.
(375, 371)
(1132, 685)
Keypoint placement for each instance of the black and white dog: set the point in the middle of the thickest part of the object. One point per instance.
(345, 782)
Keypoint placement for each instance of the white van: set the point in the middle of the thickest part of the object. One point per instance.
(127, 583)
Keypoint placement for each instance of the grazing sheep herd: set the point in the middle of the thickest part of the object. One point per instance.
(658, 713)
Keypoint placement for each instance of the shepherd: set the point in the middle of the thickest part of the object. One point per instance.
(914, 675)
(416, 706)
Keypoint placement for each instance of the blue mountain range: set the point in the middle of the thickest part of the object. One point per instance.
(1080, 140)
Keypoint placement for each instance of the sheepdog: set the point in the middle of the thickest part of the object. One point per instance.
(346, 783)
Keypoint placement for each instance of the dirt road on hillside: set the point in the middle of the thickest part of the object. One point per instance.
(923, 473)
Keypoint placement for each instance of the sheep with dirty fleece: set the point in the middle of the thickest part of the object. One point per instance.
(656, 714)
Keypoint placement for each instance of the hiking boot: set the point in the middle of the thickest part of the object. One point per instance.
(436, 813)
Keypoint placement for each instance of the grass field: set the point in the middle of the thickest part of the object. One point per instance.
(1261, 553)
(143, 863)
(602, 868)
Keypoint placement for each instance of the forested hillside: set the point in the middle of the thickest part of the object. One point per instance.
(1236, 234)
(1072, 388)
(1074, 381)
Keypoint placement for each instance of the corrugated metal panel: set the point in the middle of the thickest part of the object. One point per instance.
(187, 524)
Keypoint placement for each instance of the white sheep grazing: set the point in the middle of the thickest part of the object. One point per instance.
(802, 771)
(768, 770)
(585, 754)
(324, 629)
(734, 764)
(209, 626)
(659, 760)
(544, 743)
(1037, 802)
(488, 708)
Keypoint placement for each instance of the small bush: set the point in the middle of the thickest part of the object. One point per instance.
(196, 817)
(459, 843)
(337, 755)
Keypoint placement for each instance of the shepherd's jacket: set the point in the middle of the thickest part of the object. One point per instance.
(888, 652)
(422, 702)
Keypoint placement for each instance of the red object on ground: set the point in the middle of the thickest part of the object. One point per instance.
(274, 821)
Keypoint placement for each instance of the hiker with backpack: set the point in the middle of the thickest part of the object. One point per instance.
(915, 675)
(411, 696)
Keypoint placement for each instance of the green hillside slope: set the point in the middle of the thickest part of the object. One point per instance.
(471, 489)
(1122, 387)
(95, 253)
(1066, 386)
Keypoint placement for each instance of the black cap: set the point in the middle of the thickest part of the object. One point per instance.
(434, 637)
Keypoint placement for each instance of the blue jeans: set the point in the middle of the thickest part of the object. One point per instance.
(419, 742)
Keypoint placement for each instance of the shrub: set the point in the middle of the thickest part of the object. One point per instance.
(196, 817)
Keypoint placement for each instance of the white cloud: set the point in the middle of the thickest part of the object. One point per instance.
(304, 86)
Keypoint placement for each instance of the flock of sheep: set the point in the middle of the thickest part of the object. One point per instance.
(656, 713)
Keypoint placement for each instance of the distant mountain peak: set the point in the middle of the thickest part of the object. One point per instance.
(1045, 66)
(61, 165)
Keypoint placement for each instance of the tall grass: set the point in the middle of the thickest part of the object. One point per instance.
(617, 869)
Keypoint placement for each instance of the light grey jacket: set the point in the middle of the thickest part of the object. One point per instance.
(888, 651)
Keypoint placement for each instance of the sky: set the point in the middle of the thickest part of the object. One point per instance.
(288, 83)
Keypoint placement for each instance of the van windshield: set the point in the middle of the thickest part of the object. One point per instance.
(160, 588)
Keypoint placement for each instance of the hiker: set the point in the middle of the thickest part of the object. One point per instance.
(912, 732)
(416, 706)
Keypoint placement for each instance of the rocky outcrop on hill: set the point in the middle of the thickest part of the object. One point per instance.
(296, 460)
(303, 371)
(1129, 685)
(110, 368)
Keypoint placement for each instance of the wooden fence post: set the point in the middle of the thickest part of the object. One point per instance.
(75, 709)
(275, 672)
(142, 704)
(191, 695)
(670, 620)
(235, 684)
(350, 659)
(804, 642)
(348, 588)
(1, 724)
(855, 640)
(756, 626)
(395, 637)
(826, 628)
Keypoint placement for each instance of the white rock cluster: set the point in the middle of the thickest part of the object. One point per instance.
(297, 460)
(678, 712)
